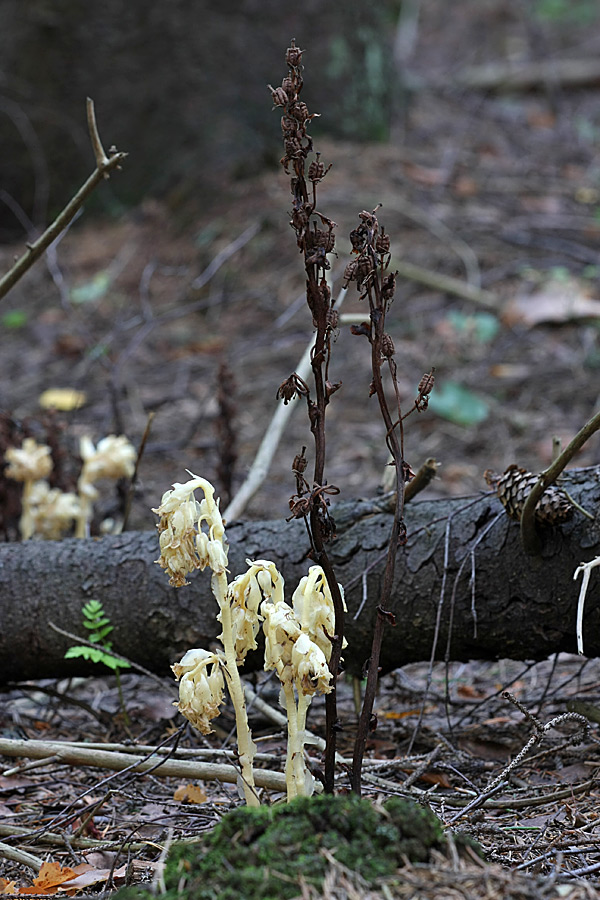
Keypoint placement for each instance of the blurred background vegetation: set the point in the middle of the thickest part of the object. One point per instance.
(180, 85)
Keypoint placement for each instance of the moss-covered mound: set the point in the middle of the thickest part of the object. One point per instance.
(261, 853)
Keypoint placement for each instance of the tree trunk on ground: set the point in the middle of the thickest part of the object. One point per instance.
(519, 607)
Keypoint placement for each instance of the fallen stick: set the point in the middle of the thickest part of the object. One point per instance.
(74, 755)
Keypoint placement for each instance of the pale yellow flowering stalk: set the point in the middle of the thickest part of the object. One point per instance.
(29, 463)
(297, 647)
(313, 607)
(113, 457)
(192, 536)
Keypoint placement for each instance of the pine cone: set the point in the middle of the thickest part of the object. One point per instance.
(514, 487)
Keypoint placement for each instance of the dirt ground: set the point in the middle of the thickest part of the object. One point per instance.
(499, 190)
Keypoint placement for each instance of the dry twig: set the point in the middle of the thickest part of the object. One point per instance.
(104, 166)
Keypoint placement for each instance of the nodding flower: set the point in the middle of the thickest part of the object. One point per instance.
(184, 544)
(30, 462)
(200, 690)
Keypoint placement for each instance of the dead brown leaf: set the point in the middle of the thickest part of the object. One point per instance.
(48, 879)
(190, 793)
(556, 301)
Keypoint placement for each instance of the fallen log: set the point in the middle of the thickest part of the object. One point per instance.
(527, 76)
(464, 587)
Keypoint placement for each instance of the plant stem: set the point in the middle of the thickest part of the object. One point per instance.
(530, 537)
(294, 786)
(369, 272)
(246, 746)
(126, 719)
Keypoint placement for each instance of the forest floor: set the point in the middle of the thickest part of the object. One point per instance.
(158, 313)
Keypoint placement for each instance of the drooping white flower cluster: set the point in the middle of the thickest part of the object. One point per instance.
(298, 647)
(45, 512)
(297, 637)
(200, 688)
(30, 462)
(192, 536)
(184, 544)
(49, 513)
(113, 457)
(52, 512)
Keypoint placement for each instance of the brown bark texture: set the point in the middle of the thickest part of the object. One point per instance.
(463, 567)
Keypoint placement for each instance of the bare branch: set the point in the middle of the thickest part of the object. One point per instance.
(273, 434)
(529, 534)
(101, 157)
(104, 165)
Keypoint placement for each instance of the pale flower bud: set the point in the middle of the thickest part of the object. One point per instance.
(311, 671)
(217, 557)
(313, 606)
(202, 548)
(281, 630)
(190, 660)
(30, 462)
(200, 689)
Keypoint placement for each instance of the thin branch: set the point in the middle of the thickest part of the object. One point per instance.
(225, 254)
(99, 153)
(530, 537)
(170, 768)
(35, 249)
(81, 640)
(134, 477)
(273, 434)
(20, 856)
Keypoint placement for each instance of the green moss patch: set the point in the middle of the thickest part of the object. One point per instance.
(263, 853)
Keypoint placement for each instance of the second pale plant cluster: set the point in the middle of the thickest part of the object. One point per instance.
(297, 635)
(48, 512)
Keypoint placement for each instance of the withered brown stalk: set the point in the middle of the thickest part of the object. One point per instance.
(369, 270)
(315, 237)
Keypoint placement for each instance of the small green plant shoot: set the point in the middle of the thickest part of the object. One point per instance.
(98, 623)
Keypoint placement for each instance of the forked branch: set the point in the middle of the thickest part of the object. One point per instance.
(105, 164)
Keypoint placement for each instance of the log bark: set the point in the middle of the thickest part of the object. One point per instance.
(518, 606)
(509, 76)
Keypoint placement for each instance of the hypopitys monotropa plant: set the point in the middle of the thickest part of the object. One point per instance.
(45, 512)
(298, 647)
(297, 644)
(48, 512)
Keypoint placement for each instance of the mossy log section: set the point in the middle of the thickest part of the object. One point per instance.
(518, 606)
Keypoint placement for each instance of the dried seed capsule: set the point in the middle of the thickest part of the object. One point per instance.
(426, 384)
(279, 95)
(293, 56)
(387, 346)
(358, 238)
(288, 87)
(350, 272)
